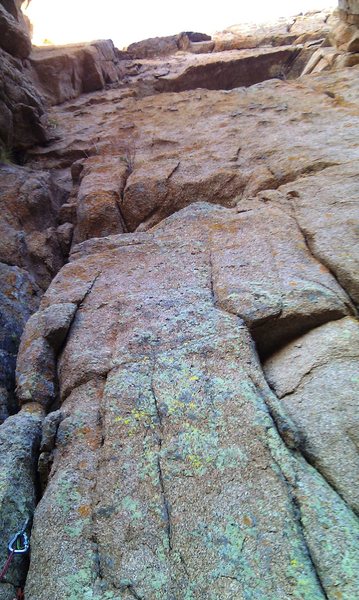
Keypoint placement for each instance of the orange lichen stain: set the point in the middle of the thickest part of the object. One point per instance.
(293, 283)
(225, 227)
(340, 101)
(93, 442)
(323, 269)
(84, 510)
(82, 464)
(338, 595)
(247, 521)
(11, 279)
(84, 430)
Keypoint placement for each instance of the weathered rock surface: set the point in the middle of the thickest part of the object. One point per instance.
(102, 182)
(21, 107)
(349, 11)
(64, 72)
(36, 367)
(167, 45)
(329, 224)
(163, 392)
(19, 298)
(30, 201)
(310, 27)
(159, 46)
(13, 38)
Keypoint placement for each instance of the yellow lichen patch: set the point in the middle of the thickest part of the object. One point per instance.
(135, 419)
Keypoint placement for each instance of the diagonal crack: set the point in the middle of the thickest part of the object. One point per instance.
(350, 303)
(173, 171)
(133, 592)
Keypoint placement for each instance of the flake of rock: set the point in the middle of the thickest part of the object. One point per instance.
(21, 107)
(325, 206)
(315, 376)
(228, 70)
(264, 273)
(57, 319)
(64, 72)
(102, 182)
(36, 367)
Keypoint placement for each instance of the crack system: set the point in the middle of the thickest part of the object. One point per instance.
(291, 439)
(291, 485)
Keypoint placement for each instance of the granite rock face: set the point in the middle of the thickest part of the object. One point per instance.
(174, 159)
(161, 390)
(186, 381)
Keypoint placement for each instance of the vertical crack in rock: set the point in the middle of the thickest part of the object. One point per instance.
(96, 495)
(290, 477)
(122, 218)
(290, 482)
(184, 565)
(166, 505)
(122, 198)
(298, 513)
(289, 435)
(284, 425)
(211, 280)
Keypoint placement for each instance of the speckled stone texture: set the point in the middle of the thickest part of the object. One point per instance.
(193, 364)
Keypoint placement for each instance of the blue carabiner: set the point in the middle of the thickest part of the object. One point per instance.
(19, 544)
